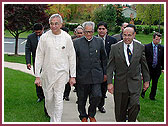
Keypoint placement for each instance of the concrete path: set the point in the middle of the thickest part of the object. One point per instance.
(70, 112)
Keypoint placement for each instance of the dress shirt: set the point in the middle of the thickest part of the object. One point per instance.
(125, 52)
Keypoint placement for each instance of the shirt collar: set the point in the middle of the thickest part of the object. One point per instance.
(154, 44)
(89, 39)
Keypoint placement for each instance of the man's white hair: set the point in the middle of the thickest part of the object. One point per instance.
(57, 16)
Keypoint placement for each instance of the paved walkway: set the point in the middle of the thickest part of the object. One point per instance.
(70, 112)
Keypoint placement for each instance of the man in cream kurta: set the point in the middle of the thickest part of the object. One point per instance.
(56, 56)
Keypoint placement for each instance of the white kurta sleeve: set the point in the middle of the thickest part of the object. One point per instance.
(39, 57)
(71, 57)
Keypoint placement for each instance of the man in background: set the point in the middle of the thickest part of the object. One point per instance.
(30, 48)
(154, 53)
(108, 41)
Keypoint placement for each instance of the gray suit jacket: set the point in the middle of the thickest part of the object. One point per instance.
(30, 47)
(91, 60)
(127, 78)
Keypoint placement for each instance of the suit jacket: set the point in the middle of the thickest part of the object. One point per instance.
(108, 42)
(127, 78)
(149, 57)
(91, 60)
(31, 45)
(118, 37)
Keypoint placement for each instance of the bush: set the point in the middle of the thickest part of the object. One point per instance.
(138, 29)
(161, 30)
(146, 30)
(117, 29)
(151, 29)
(71, 26)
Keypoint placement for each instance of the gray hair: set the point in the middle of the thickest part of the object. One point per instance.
(88, 23)
(55, 16)
(79, 27)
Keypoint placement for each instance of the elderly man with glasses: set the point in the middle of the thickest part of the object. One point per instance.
(91, 71)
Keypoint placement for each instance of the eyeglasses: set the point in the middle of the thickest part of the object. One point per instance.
(101, 28)
(79, 32)
(54, 23)
(88, 32)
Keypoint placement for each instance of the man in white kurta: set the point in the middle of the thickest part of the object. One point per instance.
(56, 56)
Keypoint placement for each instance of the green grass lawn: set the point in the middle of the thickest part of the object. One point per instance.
(153, 111)
(20, 98)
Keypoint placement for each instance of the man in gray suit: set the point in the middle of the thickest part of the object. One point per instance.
(127, 61)
(31, 45)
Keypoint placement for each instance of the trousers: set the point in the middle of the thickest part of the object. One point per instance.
(54, 100)
(93, 91)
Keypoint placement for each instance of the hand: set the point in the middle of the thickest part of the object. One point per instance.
(110, 88)
(162, 71)
(105, 78)
(72, 81)
(29, 66)
(145, 86)
(38, 81)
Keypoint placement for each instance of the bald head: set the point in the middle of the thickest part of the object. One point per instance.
(128, 35)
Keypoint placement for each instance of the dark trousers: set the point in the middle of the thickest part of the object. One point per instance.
(39, 92)
(94, 93)
(154, 76)
(126, 101)
(67, 90)
(103, 90)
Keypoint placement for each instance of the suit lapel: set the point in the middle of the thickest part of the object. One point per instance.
(121, 51)
(135, 51)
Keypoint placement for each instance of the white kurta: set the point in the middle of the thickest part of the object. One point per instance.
(55, 54)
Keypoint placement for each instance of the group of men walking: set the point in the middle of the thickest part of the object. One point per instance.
(89, 62)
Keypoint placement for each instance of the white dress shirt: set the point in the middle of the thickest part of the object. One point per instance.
(125, 52)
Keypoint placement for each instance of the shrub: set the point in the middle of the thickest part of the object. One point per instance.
(71, 26)
(161, 30)
(146, 30)
(117, 29)
(138, 29)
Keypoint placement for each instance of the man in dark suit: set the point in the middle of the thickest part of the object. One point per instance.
(30, 48)
(91, 71)
(108, 41)
(154, 53)
(127, 61)
(119, 37)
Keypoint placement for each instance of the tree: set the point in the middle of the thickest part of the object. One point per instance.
(106, 13)
(149, 13)
(19, 18)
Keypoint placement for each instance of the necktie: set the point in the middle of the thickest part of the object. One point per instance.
(129, 53)
(154, 57)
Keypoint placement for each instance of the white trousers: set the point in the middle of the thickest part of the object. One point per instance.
(54, 100)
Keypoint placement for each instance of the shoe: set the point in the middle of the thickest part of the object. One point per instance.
(74, 90)
(102, 110)
(152, 98)
(142, 94)
(66, 98)
(92, 119)
(84, 119)
(39, 100)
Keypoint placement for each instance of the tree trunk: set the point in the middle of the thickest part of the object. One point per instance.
(16, 44)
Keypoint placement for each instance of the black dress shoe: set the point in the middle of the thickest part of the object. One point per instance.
(102, 110)
(152, 98)
(66, 98)
(39, 100)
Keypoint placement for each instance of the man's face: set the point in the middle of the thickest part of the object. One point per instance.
(128, 35)
(156, 40)
(55, 25)
(102, 31)
(88, 32)
(38, 32)
(79, 33)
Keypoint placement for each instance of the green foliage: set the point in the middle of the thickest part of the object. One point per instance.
(138, 29)
(161, 30)
(149, 13)
(107, 14)
(71, 26)
(146, 30)
(117, 29)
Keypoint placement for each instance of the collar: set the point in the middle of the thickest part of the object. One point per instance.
(89, 39)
